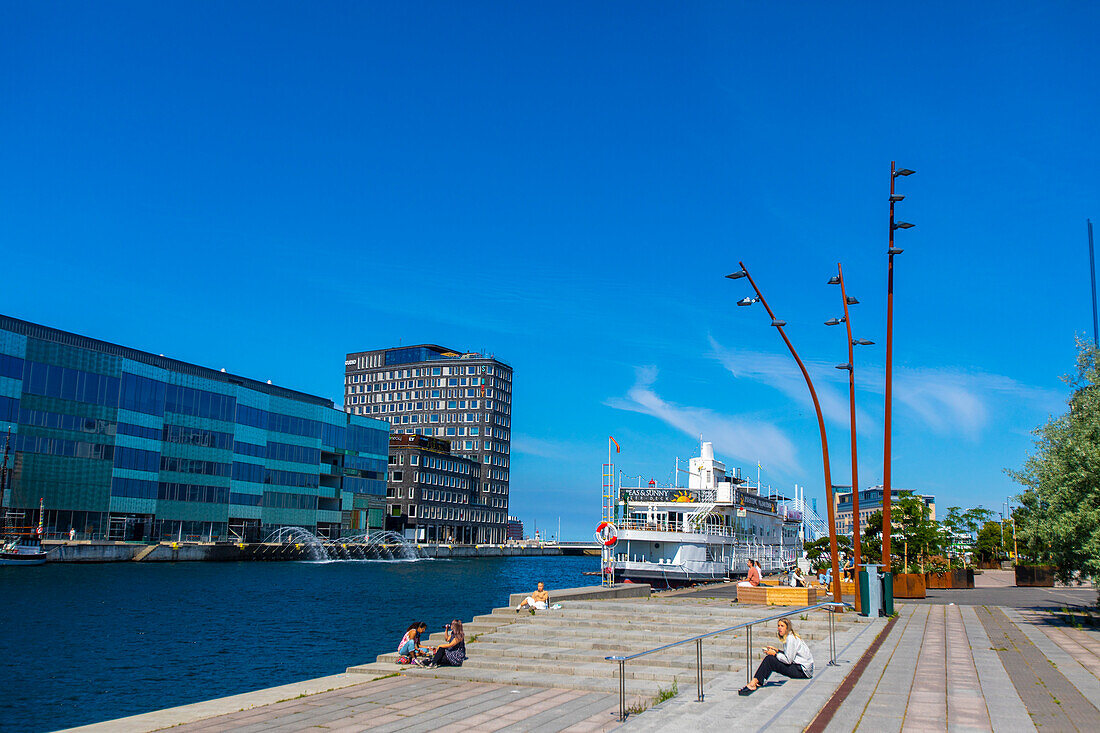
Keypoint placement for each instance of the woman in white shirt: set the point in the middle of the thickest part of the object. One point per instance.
(793, 660)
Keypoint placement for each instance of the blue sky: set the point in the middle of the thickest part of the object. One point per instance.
(267, 186)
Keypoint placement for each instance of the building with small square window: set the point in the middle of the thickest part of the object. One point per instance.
(870, 501)
(122, 444)
(462, 398)
(431, 495)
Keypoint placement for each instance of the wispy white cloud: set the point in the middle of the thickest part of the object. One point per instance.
(540, 447)
(780, 372)
(747, 439)
(946, 400)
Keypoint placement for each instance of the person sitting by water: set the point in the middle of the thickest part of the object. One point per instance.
(452, 652)
(410, 642)
(753, 577)
(540, 599)
(826, 578)
(794, 660)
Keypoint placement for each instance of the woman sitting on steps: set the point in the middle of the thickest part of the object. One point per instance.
(794, 660)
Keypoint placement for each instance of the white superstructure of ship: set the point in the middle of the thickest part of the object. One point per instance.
(705, 531)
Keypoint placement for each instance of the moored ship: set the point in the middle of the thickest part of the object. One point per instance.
(705, 531)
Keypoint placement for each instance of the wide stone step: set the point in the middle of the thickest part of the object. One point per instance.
(635, 688)
(560, 658)
(635, 670)
(646, 637)
(685, 622)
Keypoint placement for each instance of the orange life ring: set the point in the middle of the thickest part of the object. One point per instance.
(606, 534)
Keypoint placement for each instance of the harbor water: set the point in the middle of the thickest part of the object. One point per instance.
(85, 643)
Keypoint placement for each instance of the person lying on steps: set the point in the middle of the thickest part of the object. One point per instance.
(793, 660)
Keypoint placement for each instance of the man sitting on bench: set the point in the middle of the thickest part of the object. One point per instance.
(753, 578)
(540, 599)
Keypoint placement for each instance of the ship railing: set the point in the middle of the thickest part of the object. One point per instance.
(698, 640)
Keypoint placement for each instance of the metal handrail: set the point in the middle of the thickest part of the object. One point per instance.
(622, 660)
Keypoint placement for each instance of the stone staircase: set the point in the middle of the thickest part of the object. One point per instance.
(566, 648)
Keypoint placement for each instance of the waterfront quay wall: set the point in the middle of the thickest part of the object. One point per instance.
(226, 552)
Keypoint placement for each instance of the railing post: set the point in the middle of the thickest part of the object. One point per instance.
(622, 691)
(699, 667)
(832, 638)
(748, 647)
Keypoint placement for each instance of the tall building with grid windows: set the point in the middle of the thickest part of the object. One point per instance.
(121, 444)
(464, 398)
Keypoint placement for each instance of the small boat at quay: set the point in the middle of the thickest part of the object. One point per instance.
(19, 545)
(706, 531)
(22, 550)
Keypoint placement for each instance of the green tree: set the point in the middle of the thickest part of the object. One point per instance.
(918, 536)
(870, 546)
(818, 551)
(992, 544)
(1059, 520)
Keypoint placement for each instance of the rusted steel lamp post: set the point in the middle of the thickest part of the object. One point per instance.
(838, 279)
(894, 198)
(743, 272)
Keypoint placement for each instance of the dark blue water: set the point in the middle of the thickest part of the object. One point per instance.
(85, 643)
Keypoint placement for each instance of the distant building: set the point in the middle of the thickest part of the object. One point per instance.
(462, 398)
(870, 501)
(515, 528)
(122, 444)
(430, 496)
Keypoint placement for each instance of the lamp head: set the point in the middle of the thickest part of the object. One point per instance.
(862, 342)
(895, 197)
(846, 367)
(850, 300)
(746, 301)
(894, 251)
(903, 225)
(736, 275)
(834, 280)
(834, 321)
(778, 323)
(904, 172)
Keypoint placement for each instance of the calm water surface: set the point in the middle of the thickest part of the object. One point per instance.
(85, 643)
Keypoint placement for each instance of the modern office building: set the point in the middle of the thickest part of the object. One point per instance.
(125, 445)
(432, 494)
(515, 529)
(870, 501)
(463, 398)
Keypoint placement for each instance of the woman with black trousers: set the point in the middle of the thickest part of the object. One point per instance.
(793, 660)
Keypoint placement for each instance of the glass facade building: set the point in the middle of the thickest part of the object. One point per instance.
(121, 444)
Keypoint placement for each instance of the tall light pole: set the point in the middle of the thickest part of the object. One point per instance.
(894, 198)
(743, 272)
(851, 368)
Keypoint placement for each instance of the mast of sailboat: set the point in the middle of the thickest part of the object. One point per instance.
(4, 479)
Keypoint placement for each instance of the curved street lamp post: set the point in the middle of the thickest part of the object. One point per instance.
(743, 272)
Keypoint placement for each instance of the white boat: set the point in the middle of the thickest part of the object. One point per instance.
(708, 530)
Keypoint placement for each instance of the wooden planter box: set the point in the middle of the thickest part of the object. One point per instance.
(959, 578)
(909, 585)
(1034, 576)
(777, 595)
